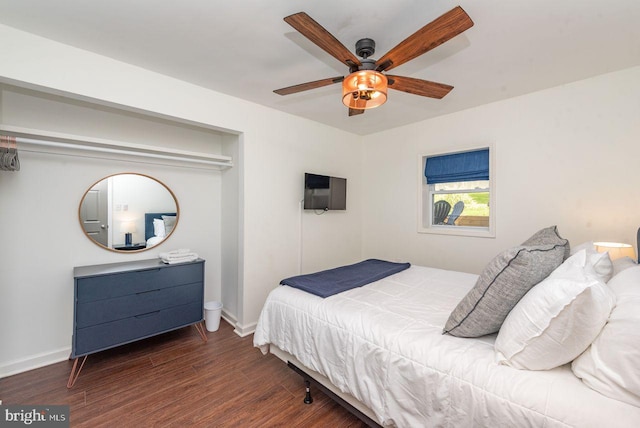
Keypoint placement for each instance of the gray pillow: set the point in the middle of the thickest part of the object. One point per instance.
(501, 285)
(169, 223)
(548, 235)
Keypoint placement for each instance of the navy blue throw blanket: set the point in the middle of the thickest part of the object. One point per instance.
(333, 281)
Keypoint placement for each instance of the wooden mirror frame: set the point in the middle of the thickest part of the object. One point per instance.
(137, 220)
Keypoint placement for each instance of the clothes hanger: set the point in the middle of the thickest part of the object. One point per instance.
(9, 154)
(4, 150)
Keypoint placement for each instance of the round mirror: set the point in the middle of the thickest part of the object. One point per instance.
(128, 212)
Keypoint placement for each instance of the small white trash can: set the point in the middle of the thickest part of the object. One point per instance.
(212, 312)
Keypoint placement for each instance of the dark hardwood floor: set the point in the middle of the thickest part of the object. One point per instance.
(177, 380)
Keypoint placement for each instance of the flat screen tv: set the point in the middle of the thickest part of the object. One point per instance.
(322, 192)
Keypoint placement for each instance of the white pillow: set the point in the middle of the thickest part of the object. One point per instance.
(623, 263)
(611, 365)
(158, 228)
(602, 264)
(589, 245)
(154, 240)
(557, 319)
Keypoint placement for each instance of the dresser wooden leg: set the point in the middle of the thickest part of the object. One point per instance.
(200, 329)
(74, 375)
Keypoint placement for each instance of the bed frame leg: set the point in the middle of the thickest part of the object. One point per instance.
(308, 400)
(307, 396)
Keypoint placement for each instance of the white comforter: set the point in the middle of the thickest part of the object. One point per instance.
(383, 344)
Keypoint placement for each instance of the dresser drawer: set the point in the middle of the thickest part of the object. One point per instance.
(103, 336)
(102, 311)
(127, 283)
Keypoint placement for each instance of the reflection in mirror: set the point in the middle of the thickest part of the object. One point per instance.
(128, 212)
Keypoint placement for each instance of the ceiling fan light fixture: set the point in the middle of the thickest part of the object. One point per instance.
(364, 89)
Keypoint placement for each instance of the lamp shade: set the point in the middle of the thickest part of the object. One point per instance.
(364, 89)
(616, 250)
(128, 227)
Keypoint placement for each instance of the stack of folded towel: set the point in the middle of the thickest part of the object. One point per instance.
(178, 256)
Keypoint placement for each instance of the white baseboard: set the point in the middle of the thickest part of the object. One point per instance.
(34, 362)
(230, 318)
(240, 330)
(246, 330)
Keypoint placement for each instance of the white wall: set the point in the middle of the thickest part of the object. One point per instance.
(274, 178)
(231, 266)
(275, 148)
(565, 156)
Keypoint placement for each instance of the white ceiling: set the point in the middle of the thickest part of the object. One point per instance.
(244, 48)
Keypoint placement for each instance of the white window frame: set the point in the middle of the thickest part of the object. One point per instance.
(425, 192)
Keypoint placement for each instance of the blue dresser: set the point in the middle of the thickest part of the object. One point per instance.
(119, 303)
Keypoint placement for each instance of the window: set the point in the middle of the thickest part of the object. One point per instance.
(456, 194)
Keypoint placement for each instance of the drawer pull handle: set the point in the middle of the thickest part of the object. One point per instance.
(148, 314)
(148, 291)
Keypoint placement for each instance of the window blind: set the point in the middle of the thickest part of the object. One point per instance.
(465, 166)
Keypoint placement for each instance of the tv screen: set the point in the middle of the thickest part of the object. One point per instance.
(322, 192)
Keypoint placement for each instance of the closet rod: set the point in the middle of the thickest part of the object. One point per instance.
(22, 140)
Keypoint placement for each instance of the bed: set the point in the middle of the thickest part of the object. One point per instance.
(381, 349)
(157, 226)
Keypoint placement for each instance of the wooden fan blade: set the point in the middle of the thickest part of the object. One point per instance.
(321, 37)
(353, 111)
(421, 87)
(309, 85)
(428, 37)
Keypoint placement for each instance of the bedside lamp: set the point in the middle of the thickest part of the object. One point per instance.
(128, 227)
(616, 250)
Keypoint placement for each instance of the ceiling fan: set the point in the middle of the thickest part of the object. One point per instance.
(366, 85)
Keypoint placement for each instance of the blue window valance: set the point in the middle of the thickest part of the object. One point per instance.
(466, 166)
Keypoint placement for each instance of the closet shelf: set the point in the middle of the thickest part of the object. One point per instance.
(68, 141)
